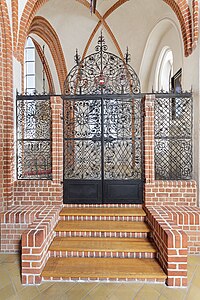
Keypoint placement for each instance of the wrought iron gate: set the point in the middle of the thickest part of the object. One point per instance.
(102, 130)
(103, 150)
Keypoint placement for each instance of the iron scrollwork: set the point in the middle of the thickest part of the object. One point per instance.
(101, 73)
(102, 135)
(34, 139)
(102, 130)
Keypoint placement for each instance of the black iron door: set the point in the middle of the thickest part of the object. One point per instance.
(102, 150)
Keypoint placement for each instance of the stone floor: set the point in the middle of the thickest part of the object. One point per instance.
(11, 288)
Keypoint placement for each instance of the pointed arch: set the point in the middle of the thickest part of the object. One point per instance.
(46, 67)
(180, 8)
(183, 14)
(6, 109)
(15, 23)
(42, 28)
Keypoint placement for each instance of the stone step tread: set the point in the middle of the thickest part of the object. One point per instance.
(101, 226)
(102, 244)
(135, 268)
(101, 211)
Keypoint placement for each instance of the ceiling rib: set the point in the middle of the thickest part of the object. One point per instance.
(102, 21)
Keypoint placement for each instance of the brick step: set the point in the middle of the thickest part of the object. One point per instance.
(103, 218)
(102, 247)
(103, 269)
(101, 226)
(103, 234)
(114, 212)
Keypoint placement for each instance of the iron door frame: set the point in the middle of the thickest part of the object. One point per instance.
(102, 191)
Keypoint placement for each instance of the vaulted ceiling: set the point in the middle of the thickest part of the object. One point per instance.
(143, 26)
(124, 23)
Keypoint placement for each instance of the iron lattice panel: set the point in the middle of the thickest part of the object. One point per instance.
(122, 160)
(173, 138)
(82, 159)
(102, 139)
(34, 138)
(82, 119)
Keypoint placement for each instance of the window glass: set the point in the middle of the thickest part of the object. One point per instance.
(30, 54)
(29, 66)
(30, 79)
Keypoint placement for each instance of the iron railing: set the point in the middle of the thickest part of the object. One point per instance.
(173, 136)
(33, 137)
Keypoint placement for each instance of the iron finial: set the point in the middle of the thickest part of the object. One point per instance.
(127, 56)
(77, 57)
(93, 4)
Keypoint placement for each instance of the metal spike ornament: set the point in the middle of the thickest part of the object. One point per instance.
(93, 4)
(43, 70)
(127, 56)
(77, 58)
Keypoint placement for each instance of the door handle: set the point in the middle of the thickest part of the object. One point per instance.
(95, 138)
(109, 139)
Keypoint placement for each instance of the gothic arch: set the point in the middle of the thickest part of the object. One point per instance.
(46, 66)
(15, 23)
(183, 14)
(6, 109)
(41, 27)
(181, 9)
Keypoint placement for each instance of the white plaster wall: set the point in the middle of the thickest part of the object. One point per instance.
(131, 24)
(72, 22)
(17, 84)
(39, 75)
(164, 34)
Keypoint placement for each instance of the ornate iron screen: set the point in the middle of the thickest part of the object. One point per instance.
(173, 137)
(33, 137)
(102, 131)
(102, 150)
(102, 73)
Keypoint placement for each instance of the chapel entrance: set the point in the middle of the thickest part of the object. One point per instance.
(102, 131)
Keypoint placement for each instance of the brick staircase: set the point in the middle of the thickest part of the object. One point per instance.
(102, 243)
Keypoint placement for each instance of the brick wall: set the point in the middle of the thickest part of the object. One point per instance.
(187, 219)
(37, 192)
(46, 192)
(159, 192)
(6, 109)
(13, 223)
(171, 193)
(28, 195)
(35, 243)
(195, 14)
(176, 232)
(168, 235)
(171, 242)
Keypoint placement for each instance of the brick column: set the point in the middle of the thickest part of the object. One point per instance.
(148, 138)
(57, 139)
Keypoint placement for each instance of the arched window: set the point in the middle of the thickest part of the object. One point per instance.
(29, 66)
(164, 70)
